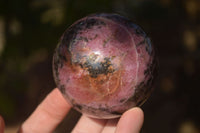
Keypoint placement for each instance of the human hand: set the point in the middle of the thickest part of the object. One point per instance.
(54, 108)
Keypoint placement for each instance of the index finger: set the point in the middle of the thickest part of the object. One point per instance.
(47, 115)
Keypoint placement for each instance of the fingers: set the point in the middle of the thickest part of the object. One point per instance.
(2, 125)
(47, 115)
(89, 125)
(131, 121)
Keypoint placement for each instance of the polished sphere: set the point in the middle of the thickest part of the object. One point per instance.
(104, 65)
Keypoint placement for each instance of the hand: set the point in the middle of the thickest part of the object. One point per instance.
(54, 108)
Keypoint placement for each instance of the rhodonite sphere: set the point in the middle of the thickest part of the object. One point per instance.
(104, 65)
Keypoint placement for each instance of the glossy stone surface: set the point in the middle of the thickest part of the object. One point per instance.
(104, 64)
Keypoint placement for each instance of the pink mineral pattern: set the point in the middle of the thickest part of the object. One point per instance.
(104, 65)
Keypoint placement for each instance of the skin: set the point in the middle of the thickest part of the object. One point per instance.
(54, 108)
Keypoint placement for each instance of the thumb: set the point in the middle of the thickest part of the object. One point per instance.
(131, 121)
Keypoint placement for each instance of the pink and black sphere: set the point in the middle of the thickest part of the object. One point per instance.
(104, 65)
